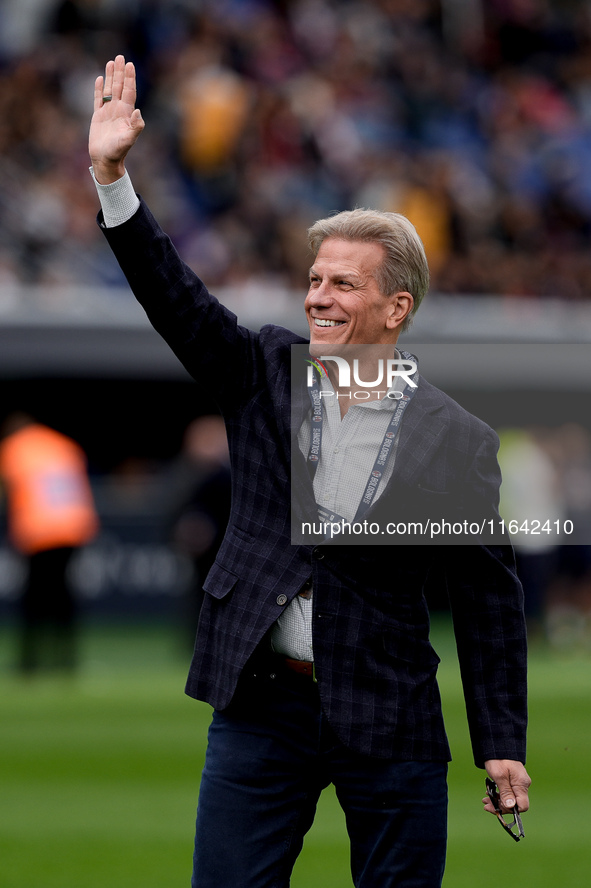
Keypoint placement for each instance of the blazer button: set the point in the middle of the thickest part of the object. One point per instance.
(282, 599)
(318, 553)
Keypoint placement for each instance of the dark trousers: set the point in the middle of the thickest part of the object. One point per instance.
(48, 613)
(270, 754)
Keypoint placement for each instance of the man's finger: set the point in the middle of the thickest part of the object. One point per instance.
(118, 77)
(128, 93)
(521, 798)
(488, 805)
(98, 93)
(506, 793)
(108, 84)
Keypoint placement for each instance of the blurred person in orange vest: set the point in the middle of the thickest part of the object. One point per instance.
(50, 513)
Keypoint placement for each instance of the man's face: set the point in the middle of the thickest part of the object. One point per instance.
(344, 304)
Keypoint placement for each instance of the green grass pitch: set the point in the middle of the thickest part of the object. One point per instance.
(99, 775)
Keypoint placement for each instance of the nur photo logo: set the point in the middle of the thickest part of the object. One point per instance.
(349, 372)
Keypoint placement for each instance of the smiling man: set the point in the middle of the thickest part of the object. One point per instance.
(316, 657)
(366, 263)
(368, 279)
(344, 303)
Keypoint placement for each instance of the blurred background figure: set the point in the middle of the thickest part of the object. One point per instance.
(199, 506)
(50, 514)
(569, 606)
(531, 488)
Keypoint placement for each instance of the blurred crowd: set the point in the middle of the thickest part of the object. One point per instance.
(546, 505)
(473, 118)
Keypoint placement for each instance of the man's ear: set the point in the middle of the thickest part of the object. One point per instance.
(401, 306)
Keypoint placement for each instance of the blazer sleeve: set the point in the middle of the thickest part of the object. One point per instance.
(204, 334)
(486, 601)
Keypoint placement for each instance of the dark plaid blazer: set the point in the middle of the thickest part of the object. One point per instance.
(375, 665)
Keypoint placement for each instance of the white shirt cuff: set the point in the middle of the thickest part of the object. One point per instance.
(119, 202)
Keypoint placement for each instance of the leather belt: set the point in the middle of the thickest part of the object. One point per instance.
(302, 667)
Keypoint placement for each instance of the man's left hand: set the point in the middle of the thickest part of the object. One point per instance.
(513, 783)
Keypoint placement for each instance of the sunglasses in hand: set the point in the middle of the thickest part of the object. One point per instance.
(508, 825)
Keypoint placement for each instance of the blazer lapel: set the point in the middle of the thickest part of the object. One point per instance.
(303, 500)
(422, 431)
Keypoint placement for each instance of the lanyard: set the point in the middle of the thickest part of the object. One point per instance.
(385, 449)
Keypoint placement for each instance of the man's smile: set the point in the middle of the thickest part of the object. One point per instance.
(327, 322)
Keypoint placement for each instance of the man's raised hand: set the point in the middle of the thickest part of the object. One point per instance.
(116, 123)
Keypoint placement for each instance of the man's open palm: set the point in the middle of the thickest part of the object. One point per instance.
(116, 123)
